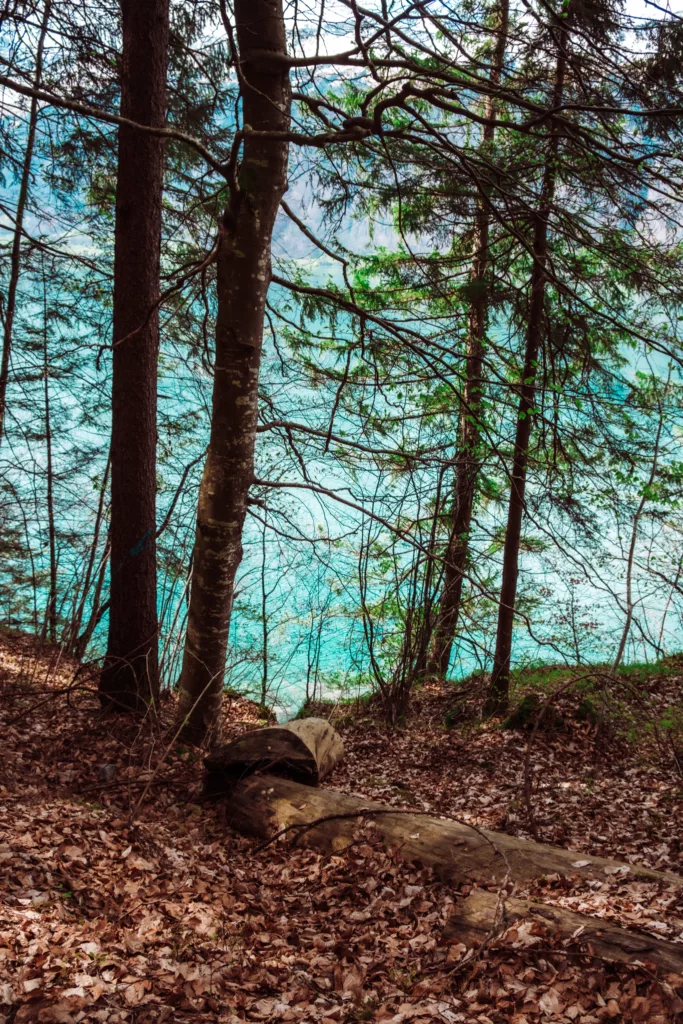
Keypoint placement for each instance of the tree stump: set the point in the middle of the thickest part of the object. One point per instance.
(305, 751)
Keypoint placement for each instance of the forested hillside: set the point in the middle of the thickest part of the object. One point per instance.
(340, 420)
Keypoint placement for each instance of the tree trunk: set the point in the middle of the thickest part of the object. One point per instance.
(468, 461)
(243, 276)
(51, 608)
(75, 627)
(632, 546)
(305, 750)
(261, 805)
(473, 919)
(97, 609)
(15, 259)
(130, 676)
(264, 615)
(497, 696)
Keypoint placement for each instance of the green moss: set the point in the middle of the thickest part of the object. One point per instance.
(325, 708)
(587, 711)
(527, 712)
(456, 715)
(524, 714)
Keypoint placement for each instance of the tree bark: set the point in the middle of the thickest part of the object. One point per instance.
(261, 805)
(473, 919)
(499, 686)
(15, 259)
(130, 676)
(51, 607)
(305, 750)
(243, 264)
(468, 460)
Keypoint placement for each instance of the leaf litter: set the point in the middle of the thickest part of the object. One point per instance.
(125, 898)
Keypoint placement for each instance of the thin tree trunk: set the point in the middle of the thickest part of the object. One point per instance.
(51, 609)
(99, 516)
(674, 588)
(130, 675)
(29, 550)
(97, 610)
(172, 641)
(632, 546)
(468, 461)
(243, 275)
(497, 696)
(15, 260)
(264, 618)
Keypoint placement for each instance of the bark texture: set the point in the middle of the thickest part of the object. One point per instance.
(305, 750)
(130, 675)
(469, 460)
(497, 697)
(260, 806)
(473, 919)
(243, 276)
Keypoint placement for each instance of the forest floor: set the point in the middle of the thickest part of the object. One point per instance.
(123, 897)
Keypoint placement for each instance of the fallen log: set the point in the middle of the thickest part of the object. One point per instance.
(473, 919)
(262, 805)
(305, 750)
(268, 805)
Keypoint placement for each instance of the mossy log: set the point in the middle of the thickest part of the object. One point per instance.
(262, 805)
(305, 750)
(473, 919)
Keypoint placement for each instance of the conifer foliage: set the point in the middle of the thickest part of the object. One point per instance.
(341, 347)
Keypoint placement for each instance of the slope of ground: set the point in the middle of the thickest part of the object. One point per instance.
(124, 898)
(574, 786)
(571, 786)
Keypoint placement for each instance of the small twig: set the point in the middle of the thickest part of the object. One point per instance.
(176, 731)
(54, 693)
(177, 286)
(376, 812)
(527, 790)
(102, 786)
